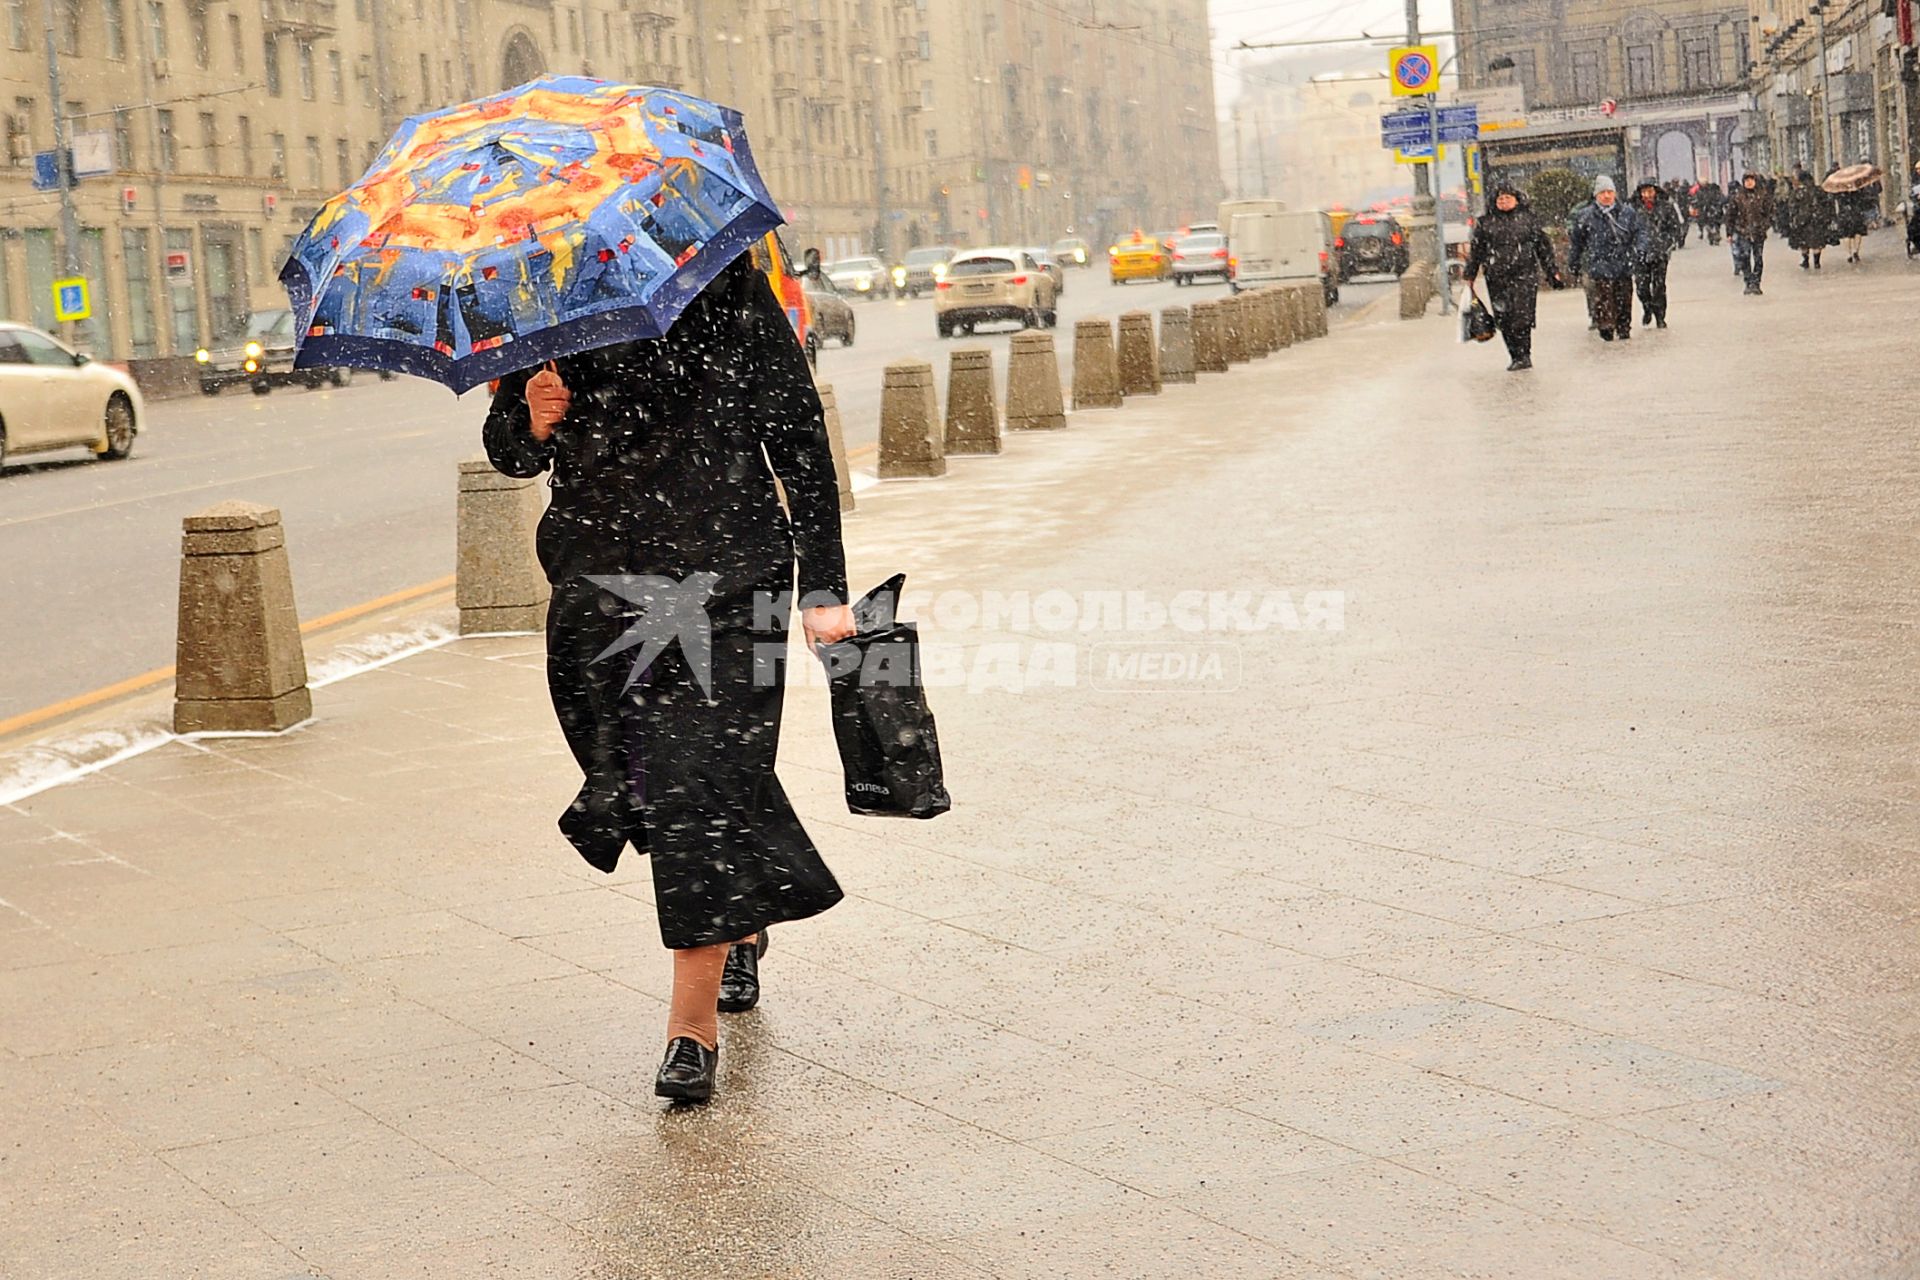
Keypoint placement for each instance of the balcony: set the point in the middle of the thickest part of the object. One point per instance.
(299, 17)
(785, 84)
(653, 12)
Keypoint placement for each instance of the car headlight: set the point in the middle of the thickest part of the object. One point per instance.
(202, 356)
(255, 350)
(864, 283)
(900, 276)
(1080, 256)
(940, 271)
(253, 366)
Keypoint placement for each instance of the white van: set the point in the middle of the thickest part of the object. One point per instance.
(1272, 247)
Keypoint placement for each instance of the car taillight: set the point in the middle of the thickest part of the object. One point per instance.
(1396, 237)
(1219, 253)
(943, 284)
(1019, 279)
(1179, 257)
(1323, 259)
(1341, 243)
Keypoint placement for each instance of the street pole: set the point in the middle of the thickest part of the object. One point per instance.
(1826, 89)
(1443, 285)
(62, 159)
(1424, 174)
(884, 244)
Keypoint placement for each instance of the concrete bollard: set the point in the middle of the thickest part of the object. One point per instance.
(1278, 320)
(1260, 324)
(973, 411)
(1139, 357)
(1034, 399)
(911, 442)
(837, 443)
(1096, 369)
(1209, 356)
(1413, 298)
(1233, 330)
(1292, 316)
(498, 582)
(239, 666)
(1317, 319)
(1176, 345)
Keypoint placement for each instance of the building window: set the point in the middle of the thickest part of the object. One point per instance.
(365, 76)
(278, 172)
(303, 57)
(169, 148)
(314, 177)
(337, 74)
(933, 144)
(256, 253)
(270, 51)
(123, 138)
(137, 250)
(69, 15)
(1696, 62)
(114, 18)
(210, 141)
(573, 31)
(246, 146)
(157, 28)
(1585, 66)
(344, 156)
(1643, 78)
(197, 26)
(17, 23)
(426, 81)
(238, 39)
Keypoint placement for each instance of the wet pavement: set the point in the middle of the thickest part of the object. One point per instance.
(1553, 917)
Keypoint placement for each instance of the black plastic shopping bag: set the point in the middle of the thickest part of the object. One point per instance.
(888, 747)
(1479, 325)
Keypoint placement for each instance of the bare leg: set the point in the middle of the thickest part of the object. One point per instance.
(695, 1012)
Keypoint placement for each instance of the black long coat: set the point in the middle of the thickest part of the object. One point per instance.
(664, 467)
(1513, 249)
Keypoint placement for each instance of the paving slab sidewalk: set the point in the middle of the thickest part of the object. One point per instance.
(1554, 916)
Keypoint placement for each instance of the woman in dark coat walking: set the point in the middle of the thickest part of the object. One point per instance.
(672, 567)
(1510, 245)
(1809, 218)
(1666, 230)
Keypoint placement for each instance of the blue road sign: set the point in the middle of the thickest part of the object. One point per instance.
(1411, 130)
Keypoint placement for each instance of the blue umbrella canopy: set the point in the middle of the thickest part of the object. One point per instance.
(563, 215)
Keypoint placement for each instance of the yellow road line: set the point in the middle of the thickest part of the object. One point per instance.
(865, 450)
(159, 675)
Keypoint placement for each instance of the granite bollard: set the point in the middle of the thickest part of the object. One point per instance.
(837, 444)
(1233, 330)
(499, 585)
(911, 442)
(1139, 357)
(1096, 369)
(1034, 398)
(239, 664)
(1176, 345)
(1278, 320)
(1208, 354)
(973, 411)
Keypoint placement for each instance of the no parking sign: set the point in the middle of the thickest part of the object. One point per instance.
(1414, 70)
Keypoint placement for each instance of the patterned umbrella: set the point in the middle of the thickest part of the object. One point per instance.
(1852, 178)
(551, 219)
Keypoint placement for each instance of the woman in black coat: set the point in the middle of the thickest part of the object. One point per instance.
(1510, 245)
(672, 566)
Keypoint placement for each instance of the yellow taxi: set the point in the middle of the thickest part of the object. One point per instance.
(1139, 257)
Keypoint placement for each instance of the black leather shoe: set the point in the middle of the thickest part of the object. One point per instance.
(740, 980)
(686, 1074)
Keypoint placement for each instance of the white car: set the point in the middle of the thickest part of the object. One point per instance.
(52, 397)
(860, 278)
(995, 284)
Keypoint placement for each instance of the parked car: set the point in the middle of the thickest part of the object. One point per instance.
(860, 277)
(1201, 256)
(1045, 260)
(1073, 252)
(1139, 257)
(983, 285)
(923, 269)
(1373, 244)
(52, 397)
(832, 316)
(259, 354)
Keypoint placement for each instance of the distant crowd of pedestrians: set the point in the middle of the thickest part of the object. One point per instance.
(1620, 248)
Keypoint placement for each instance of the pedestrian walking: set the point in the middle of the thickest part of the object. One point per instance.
(1712, 211)
(1854, 212)
(1666, 231)
(664, 454)
(1750, 215)
(1608, 239)
(1511, 246)
(1913, 214)
(1809, 219)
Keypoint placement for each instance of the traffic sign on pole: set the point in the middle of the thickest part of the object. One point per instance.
(1414, 70)
(1403, 129)
(71, 300)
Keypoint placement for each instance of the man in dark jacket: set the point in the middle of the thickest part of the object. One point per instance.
(1608, 239)
(1510, 245)
(1666, 231)
(1749, 218)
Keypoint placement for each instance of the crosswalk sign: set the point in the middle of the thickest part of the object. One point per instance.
(72, 300)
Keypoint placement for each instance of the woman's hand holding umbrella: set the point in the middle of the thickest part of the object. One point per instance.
(547, 402)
